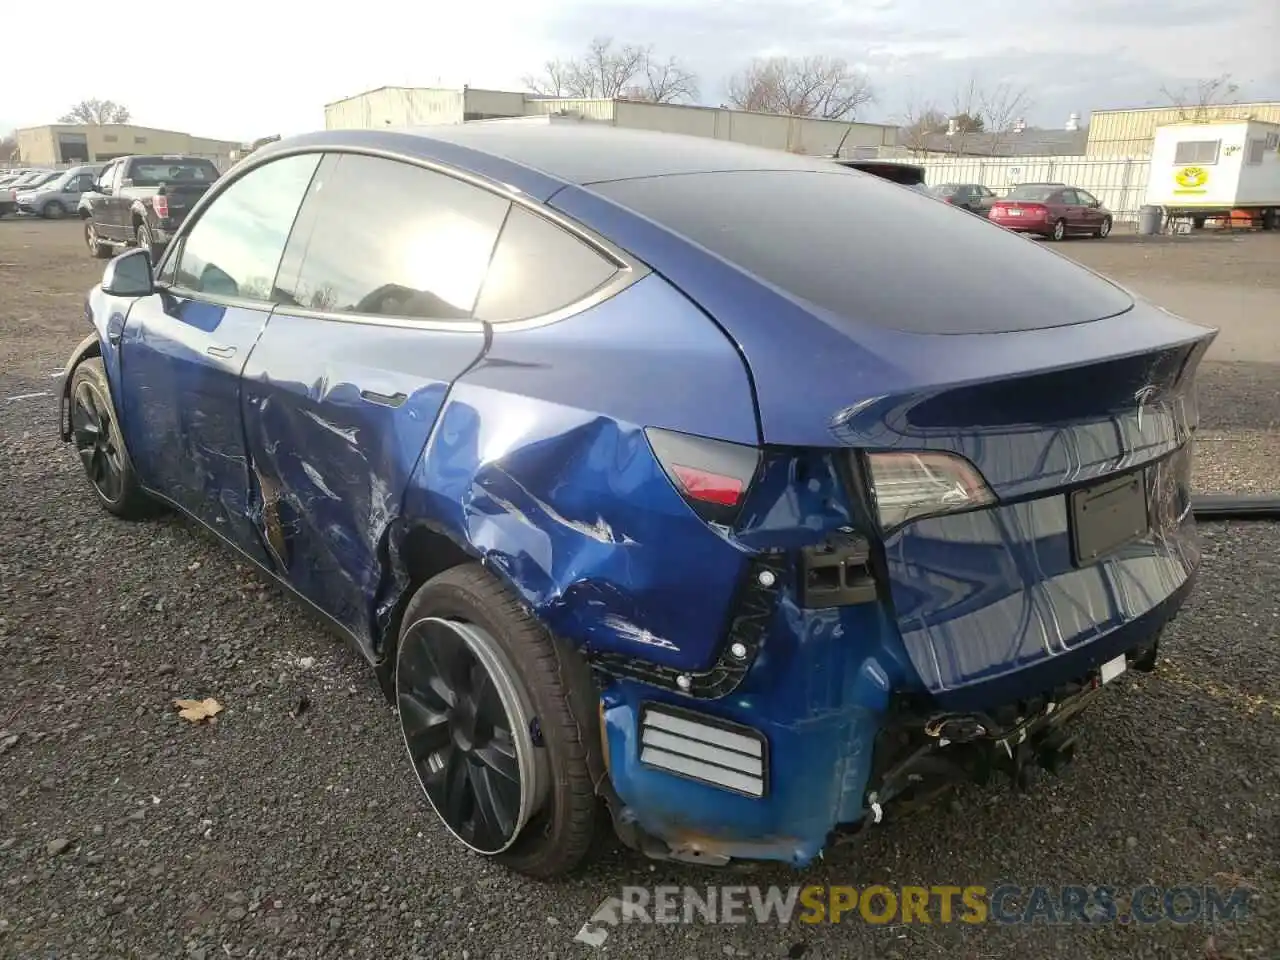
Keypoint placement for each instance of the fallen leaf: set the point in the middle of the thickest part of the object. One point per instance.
(197, 710)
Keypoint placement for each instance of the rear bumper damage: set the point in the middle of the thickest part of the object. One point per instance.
(688, 784)
(835, 723)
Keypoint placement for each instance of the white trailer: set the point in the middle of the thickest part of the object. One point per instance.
(1211, 168)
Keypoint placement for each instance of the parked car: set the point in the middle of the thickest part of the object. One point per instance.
(908, 175)
(140, 201)
(25, 181)
(60, 195)
(757, 536)
(1052, 210)
(973, 197)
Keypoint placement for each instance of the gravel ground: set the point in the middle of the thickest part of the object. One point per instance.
(285, 832)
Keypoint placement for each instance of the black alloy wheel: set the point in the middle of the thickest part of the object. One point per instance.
(91, 422)
(467, 727)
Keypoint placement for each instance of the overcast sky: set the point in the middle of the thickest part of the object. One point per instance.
(241, 69)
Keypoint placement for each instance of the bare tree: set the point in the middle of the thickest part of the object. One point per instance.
(8, 148)
(95, 112)
(992, 111)
(966, 117)
(825, 87)
(606, 70)
(1000, 108)
(920, 122)
(664, 82)
(1196, 101)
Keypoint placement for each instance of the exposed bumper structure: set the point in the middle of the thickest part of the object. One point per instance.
(835, 727)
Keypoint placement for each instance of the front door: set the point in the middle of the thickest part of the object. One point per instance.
(184, 350)
(1090, 211)
(374, 324)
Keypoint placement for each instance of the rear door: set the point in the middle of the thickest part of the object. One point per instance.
(184, 349)
(1073, 210)
(376, 292)
(114, 207)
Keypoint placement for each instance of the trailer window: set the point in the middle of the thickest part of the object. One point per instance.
(1196, 151)
(1257, 150)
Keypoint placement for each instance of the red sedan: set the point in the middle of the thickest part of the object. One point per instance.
(1051, 210)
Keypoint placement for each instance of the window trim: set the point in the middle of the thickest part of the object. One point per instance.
(630, 269)
(174, 248)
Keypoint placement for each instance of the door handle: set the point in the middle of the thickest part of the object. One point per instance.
(385, 399)
(223, 352)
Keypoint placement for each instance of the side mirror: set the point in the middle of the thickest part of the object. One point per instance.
(129, 275)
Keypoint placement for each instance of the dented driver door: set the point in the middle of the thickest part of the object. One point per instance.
(350, 375)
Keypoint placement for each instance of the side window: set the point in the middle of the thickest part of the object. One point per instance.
(1196, 151)
(117, 174)
(386, 238)
(1066, 196)
(107, 174)
(1086, 198)
(538, 267)
(234, 249)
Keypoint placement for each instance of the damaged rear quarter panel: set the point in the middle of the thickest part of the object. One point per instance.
(540, 466)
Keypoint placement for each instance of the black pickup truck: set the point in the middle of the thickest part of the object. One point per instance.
(140, 201)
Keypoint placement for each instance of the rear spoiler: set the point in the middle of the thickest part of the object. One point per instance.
(907, 174)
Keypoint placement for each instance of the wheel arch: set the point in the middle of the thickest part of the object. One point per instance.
(90, 346)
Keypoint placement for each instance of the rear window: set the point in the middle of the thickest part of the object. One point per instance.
(866, 249)
(152, 172)
(1032, 193)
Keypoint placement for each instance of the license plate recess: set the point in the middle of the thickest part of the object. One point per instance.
(1106, 516)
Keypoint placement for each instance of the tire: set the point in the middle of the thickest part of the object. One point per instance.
(53, 210)
(1059, 230)
(555, 684)
(1104, 230)
(95, 432)
(142, 238)
(97, 249)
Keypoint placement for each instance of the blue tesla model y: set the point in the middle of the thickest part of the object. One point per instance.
(746, 497)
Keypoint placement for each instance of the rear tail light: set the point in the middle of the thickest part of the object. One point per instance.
(713, 476)
(160, 203)
(907, 486)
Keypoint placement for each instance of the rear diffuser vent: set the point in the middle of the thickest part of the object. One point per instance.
(706, 749)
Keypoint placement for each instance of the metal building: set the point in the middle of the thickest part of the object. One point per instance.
(408, 106)
(66, 144)
(1131, 133)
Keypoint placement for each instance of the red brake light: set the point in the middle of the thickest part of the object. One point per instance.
(160, 203)
(713, 476)
(709, 487)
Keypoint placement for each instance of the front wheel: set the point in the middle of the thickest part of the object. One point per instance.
(1103, 229)
(95, 431)
(499, 719)
(53, 210)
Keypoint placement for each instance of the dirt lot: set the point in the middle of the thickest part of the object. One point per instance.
(126, 833)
